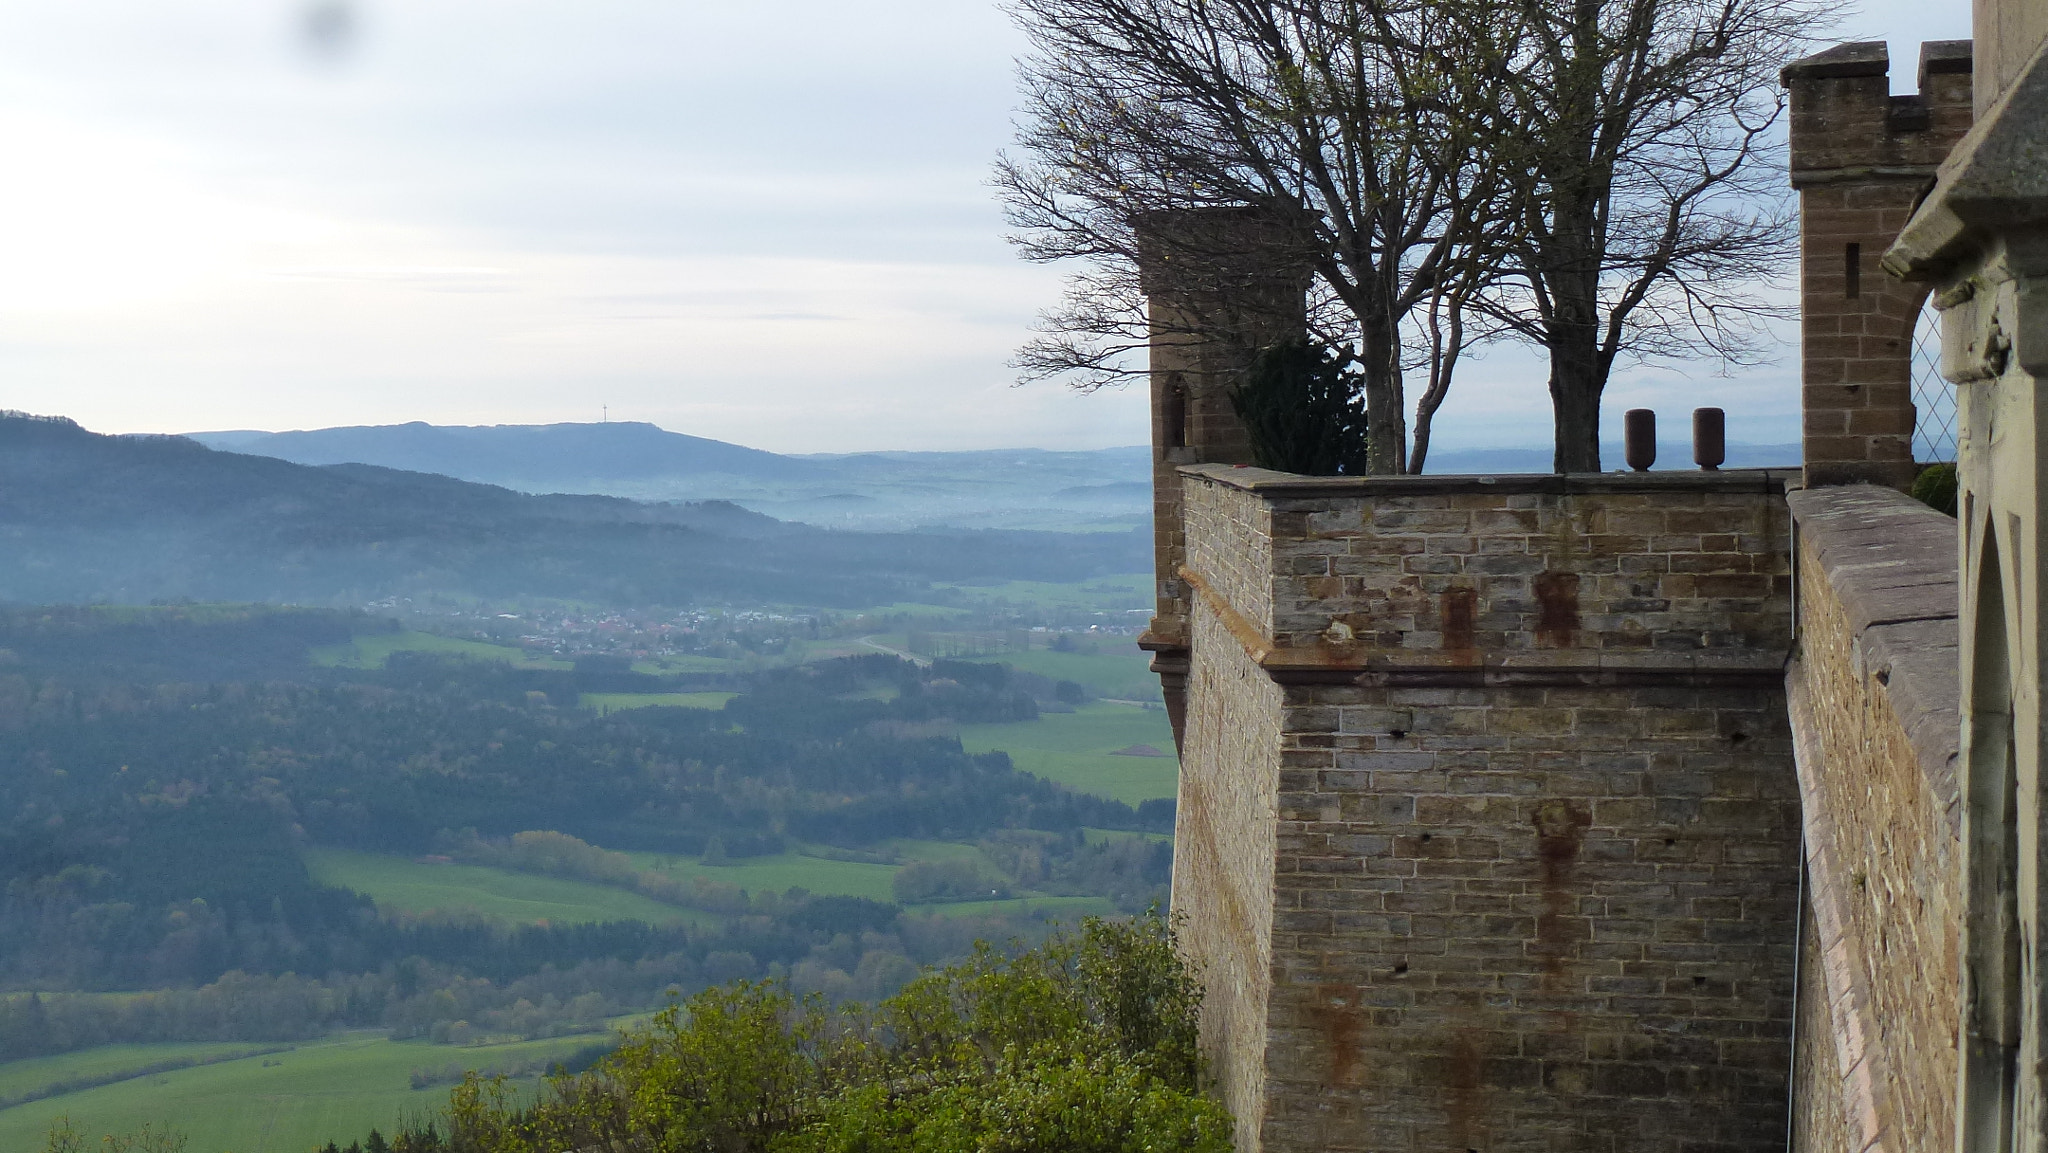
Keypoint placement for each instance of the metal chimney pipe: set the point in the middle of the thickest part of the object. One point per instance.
(1709, 438)
(1639, 438)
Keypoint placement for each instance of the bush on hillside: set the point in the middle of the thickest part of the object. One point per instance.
(1085, 1044)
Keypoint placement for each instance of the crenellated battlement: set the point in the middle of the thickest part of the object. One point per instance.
(1846, 124)
(1861, 159)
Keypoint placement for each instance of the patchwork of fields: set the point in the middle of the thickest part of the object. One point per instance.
(249, 1098)
(417, 887)
(1120, 751)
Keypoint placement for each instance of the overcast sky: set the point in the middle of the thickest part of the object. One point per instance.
(765, 223)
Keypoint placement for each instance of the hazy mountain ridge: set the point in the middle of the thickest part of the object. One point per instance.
(996, 488)
(85, 517)
(1000, 488)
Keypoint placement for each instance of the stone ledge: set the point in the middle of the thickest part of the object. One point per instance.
(1866, 1075)
(1859, 58)
(1892, 564)
(1266, 482)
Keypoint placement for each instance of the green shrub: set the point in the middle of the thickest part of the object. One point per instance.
(1303, 411)
(1935, 487)
(1083, 1045)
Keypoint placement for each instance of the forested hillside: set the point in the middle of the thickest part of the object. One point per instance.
(162, 802)
(85, 517)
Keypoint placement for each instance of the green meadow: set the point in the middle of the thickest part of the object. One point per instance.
(818, 874)
(404, 885)
(401, 884)
(370, 651)
(282, 1102)
(1119, 593)
(608, 703)
(1064, 908)
(26, 1078)
(1117, 669)
(1078, 749)
(780, 873)
(688, 663)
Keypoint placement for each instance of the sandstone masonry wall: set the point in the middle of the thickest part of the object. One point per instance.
(1524, 740)
(1861, 160)
(1224, 835)
(1873, 697)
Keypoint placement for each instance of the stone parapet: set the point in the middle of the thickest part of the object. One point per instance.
(1873, 697)
(1522, 746)
(1476, 579)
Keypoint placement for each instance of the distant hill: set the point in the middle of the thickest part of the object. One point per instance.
(1002, 489)
(519, 455)
(85, 517)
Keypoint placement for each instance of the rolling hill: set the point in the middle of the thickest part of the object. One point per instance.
(87, 517)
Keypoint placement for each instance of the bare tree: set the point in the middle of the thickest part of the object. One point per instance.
(1354, 119)
(1652, 216)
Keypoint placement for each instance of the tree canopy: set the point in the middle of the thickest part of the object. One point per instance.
(1592, 177)
(1086, 1044)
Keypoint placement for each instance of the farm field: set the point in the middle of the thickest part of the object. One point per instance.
(1118, 669)
(608, 703)
(1077, 749)
(336, 1089)
(19, 1079)
(687, 663)
(820, 875)
(1118, 594)
(369, 652)
(1065, 908)
(827, 877)
(400, 884)
(780, 872)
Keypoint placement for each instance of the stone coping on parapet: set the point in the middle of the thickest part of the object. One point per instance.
(1267, 482)
(1892, 562)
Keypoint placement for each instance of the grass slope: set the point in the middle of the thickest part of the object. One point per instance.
(857, 879)
(37, 1074)
(1117, 669)
(780, 872)
(399, 884)
(336, 1089)
(608, 703)
(1076, 749)
(370, 652)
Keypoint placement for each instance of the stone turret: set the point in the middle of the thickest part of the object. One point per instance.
(1861, 160)
(1219, 283)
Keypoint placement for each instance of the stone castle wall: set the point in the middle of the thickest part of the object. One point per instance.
(1873, 697)
(1523, 748)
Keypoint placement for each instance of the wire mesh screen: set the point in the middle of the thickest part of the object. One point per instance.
(1934, 399)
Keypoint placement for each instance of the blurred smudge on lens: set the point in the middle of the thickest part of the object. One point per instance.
(329, 28)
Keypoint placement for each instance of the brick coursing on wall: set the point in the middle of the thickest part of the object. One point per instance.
(1873, 697)
(1534, 868)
